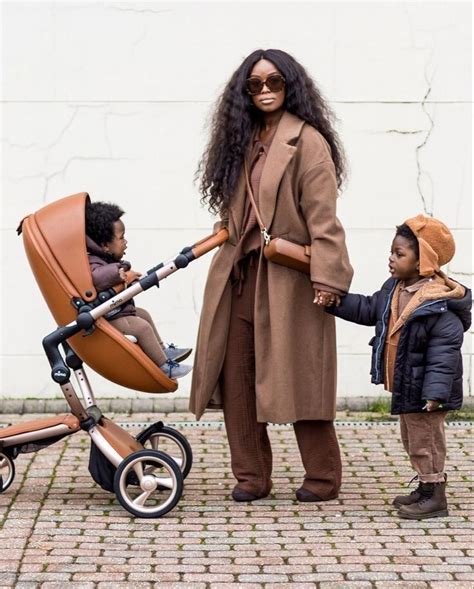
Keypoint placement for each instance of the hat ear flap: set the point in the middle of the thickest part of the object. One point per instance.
(417, 223)
(429, 260)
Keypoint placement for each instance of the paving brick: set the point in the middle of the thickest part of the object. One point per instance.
(61, 530)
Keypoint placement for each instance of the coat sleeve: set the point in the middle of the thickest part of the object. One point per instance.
(442, 358)
(105, 275)
(329, 258)
(357, 308)
(221, 223)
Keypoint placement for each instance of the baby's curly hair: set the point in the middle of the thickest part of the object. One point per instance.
(100, 219)
(404, 231)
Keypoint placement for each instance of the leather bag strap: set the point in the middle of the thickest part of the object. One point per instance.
(263, 229)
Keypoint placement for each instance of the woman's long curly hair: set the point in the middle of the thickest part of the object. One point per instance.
(236, 117)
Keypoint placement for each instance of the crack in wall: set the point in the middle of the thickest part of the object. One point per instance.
(24, 146)
(417, 151)
(139, 10)
(396, 131)
(62, 171)
(404, 132)
(47, 177)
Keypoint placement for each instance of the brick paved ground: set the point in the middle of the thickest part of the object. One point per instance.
(58, 529)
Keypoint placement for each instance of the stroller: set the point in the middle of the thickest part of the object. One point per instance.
(147, 481)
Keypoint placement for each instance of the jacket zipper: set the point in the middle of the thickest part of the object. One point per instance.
(384, 329)
(413, 315)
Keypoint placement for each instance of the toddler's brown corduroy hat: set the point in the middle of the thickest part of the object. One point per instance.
(436, 243)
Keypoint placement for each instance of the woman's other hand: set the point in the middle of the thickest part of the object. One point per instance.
(323, 298)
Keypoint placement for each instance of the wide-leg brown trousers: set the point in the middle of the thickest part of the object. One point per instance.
(251, 453)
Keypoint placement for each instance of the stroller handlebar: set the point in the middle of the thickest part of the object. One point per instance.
(160, 272)
(208, 243)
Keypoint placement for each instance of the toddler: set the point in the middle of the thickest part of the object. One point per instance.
(420, 316)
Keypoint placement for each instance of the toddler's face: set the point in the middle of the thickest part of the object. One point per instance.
(118, 245)
(403, 263)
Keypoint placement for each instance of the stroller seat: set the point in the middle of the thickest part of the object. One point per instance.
(55, 243)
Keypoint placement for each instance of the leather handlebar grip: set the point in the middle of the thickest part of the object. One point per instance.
(209, 243)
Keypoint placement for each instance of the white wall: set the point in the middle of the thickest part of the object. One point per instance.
(112, 98)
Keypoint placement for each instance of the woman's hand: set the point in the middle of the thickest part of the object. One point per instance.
(326, 299)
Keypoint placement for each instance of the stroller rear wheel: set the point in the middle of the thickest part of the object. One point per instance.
(160, 483)
(7, 472)
(171, 442)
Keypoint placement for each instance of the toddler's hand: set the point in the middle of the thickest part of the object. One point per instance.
(432, 405)
(326, 299)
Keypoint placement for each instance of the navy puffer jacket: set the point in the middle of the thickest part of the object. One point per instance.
(428, 364)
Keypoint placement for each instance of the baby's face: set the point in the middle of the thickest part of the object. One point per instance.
(118, 245)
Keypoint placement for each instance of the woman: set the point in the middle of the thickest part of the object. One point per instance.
(265, 352)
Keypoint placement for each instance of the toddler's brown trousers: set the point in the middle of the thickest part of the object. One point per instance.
(251, 453)
(424, 440)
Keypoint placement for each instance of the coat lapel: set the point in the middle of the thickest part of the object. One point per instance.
(279, 156)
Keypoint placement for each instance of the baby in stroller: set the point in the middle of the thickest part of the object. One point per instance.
(106, 246)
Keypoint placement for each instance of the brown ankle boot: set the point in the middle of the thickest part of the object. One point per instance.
(432, 503)
(413, 497)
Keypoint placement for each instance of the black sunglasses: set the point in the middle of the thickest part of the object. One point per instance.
(274, 82)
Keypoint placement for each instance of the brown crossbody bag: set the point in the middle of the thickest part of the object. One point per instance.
(277, 249)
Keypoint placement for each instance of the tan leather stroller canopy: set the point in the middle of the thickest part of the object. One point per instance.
(55, 243)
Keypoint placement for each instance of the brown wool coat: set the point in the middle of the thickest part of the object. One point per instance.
(295, 341)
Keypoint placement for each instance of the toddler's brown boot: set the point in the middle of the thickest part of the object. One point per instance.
(413, 497)
(432, 503)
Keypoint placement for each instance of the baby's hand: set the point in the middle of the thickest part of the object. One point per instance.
(432, 405)
(132, 276)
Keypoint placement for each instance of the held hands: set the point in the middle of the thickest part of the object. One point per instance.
(432, 405)
(326, 299)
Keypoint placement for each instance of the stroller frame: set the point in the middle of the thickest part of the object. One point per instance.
(147, 482)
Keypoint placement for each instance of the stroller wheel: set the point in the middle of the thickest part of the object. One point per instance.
(159, 488)
(171, 442)
(7, 472)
